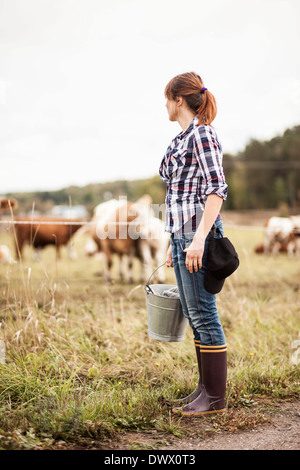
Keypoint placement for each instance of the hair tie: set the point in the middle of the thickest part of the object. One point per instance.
(203, 89)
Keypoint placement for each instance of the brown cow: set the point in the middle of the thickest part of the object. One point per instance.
(44, 231)
(129, 228)
(109, 229)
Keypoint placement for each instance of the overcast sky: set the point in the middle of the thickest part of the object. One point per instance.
(82, 82)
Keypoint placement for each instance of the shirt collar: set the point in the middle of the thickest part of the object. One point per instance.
(189, 129)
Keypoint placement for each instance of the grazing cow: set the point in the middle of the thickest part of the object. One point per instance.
(282, 234)
(128, 229)
(277, 231)
(40, 235)
(110, 231)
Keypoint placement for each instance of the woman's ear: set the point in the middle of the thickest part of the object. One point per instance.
(179, 101)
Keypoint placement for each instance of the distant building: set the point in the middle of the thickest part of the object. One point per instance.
(69, 212)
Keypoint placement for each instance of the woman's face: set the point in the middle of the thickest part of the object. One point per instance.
(171, 106)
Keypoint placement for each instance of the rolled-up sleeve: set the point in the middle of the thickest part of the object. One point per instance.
(209, 154)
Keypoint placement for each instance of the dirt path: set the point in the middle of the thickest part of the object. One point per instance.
(281, 433)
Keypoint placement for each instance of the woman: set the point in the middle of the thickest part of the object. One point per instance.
(196, 188)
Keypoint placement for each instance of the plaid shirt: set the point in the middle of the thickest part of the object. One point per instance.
(192, 169)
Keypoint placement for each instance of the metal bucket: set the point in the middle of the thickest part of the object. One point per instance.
(166, 321)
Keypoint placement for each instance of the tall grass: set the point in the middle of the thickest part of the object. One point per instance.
(80, 364)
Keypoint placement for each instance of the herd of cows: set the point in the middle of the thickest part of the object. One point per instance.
(129, 230)
(117, 227)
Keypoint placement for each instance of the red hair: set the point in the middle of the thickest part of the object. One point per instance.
(191, 88)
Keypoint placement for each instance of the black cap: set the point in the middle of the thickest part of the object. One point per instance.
(222, 261)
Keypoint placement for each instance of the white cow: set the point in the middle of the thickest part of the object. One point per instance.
(282, 233)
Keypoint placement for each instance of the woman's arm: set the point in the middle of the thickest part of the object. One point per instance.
(195, 251)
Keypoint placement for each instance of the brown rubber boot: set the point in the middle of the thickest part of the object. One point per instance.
(214, 374)
(191, 397)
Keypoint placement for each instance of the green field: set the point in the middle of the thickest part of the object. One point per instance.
(80, 366)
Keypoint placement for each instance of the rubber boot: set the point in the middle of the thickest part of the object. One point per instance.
(191, 397)
(214, 374)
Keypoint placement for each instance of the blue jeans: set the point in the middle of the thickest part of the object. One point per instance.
(198, 305)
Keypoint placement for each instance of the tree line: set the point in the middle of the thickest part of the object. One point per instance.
(265, 175)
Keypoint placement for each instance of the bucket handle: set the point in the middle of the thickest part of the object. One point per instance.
(147, 287)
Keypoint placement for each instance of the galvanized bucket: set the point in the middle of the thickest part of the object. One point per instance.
(166, 321)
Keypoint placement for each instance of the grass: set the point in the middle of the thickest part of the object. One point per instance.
(80, 366)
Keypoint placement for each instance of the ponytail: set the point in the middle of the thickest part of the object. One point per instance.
(207, 111)
(198, 98)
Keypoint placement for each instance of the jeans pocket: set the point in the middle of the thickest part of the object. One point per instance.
(188, 238)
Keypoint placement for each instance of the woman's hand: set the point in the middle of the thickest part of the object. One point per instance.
(169, 262)
(194, 254)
